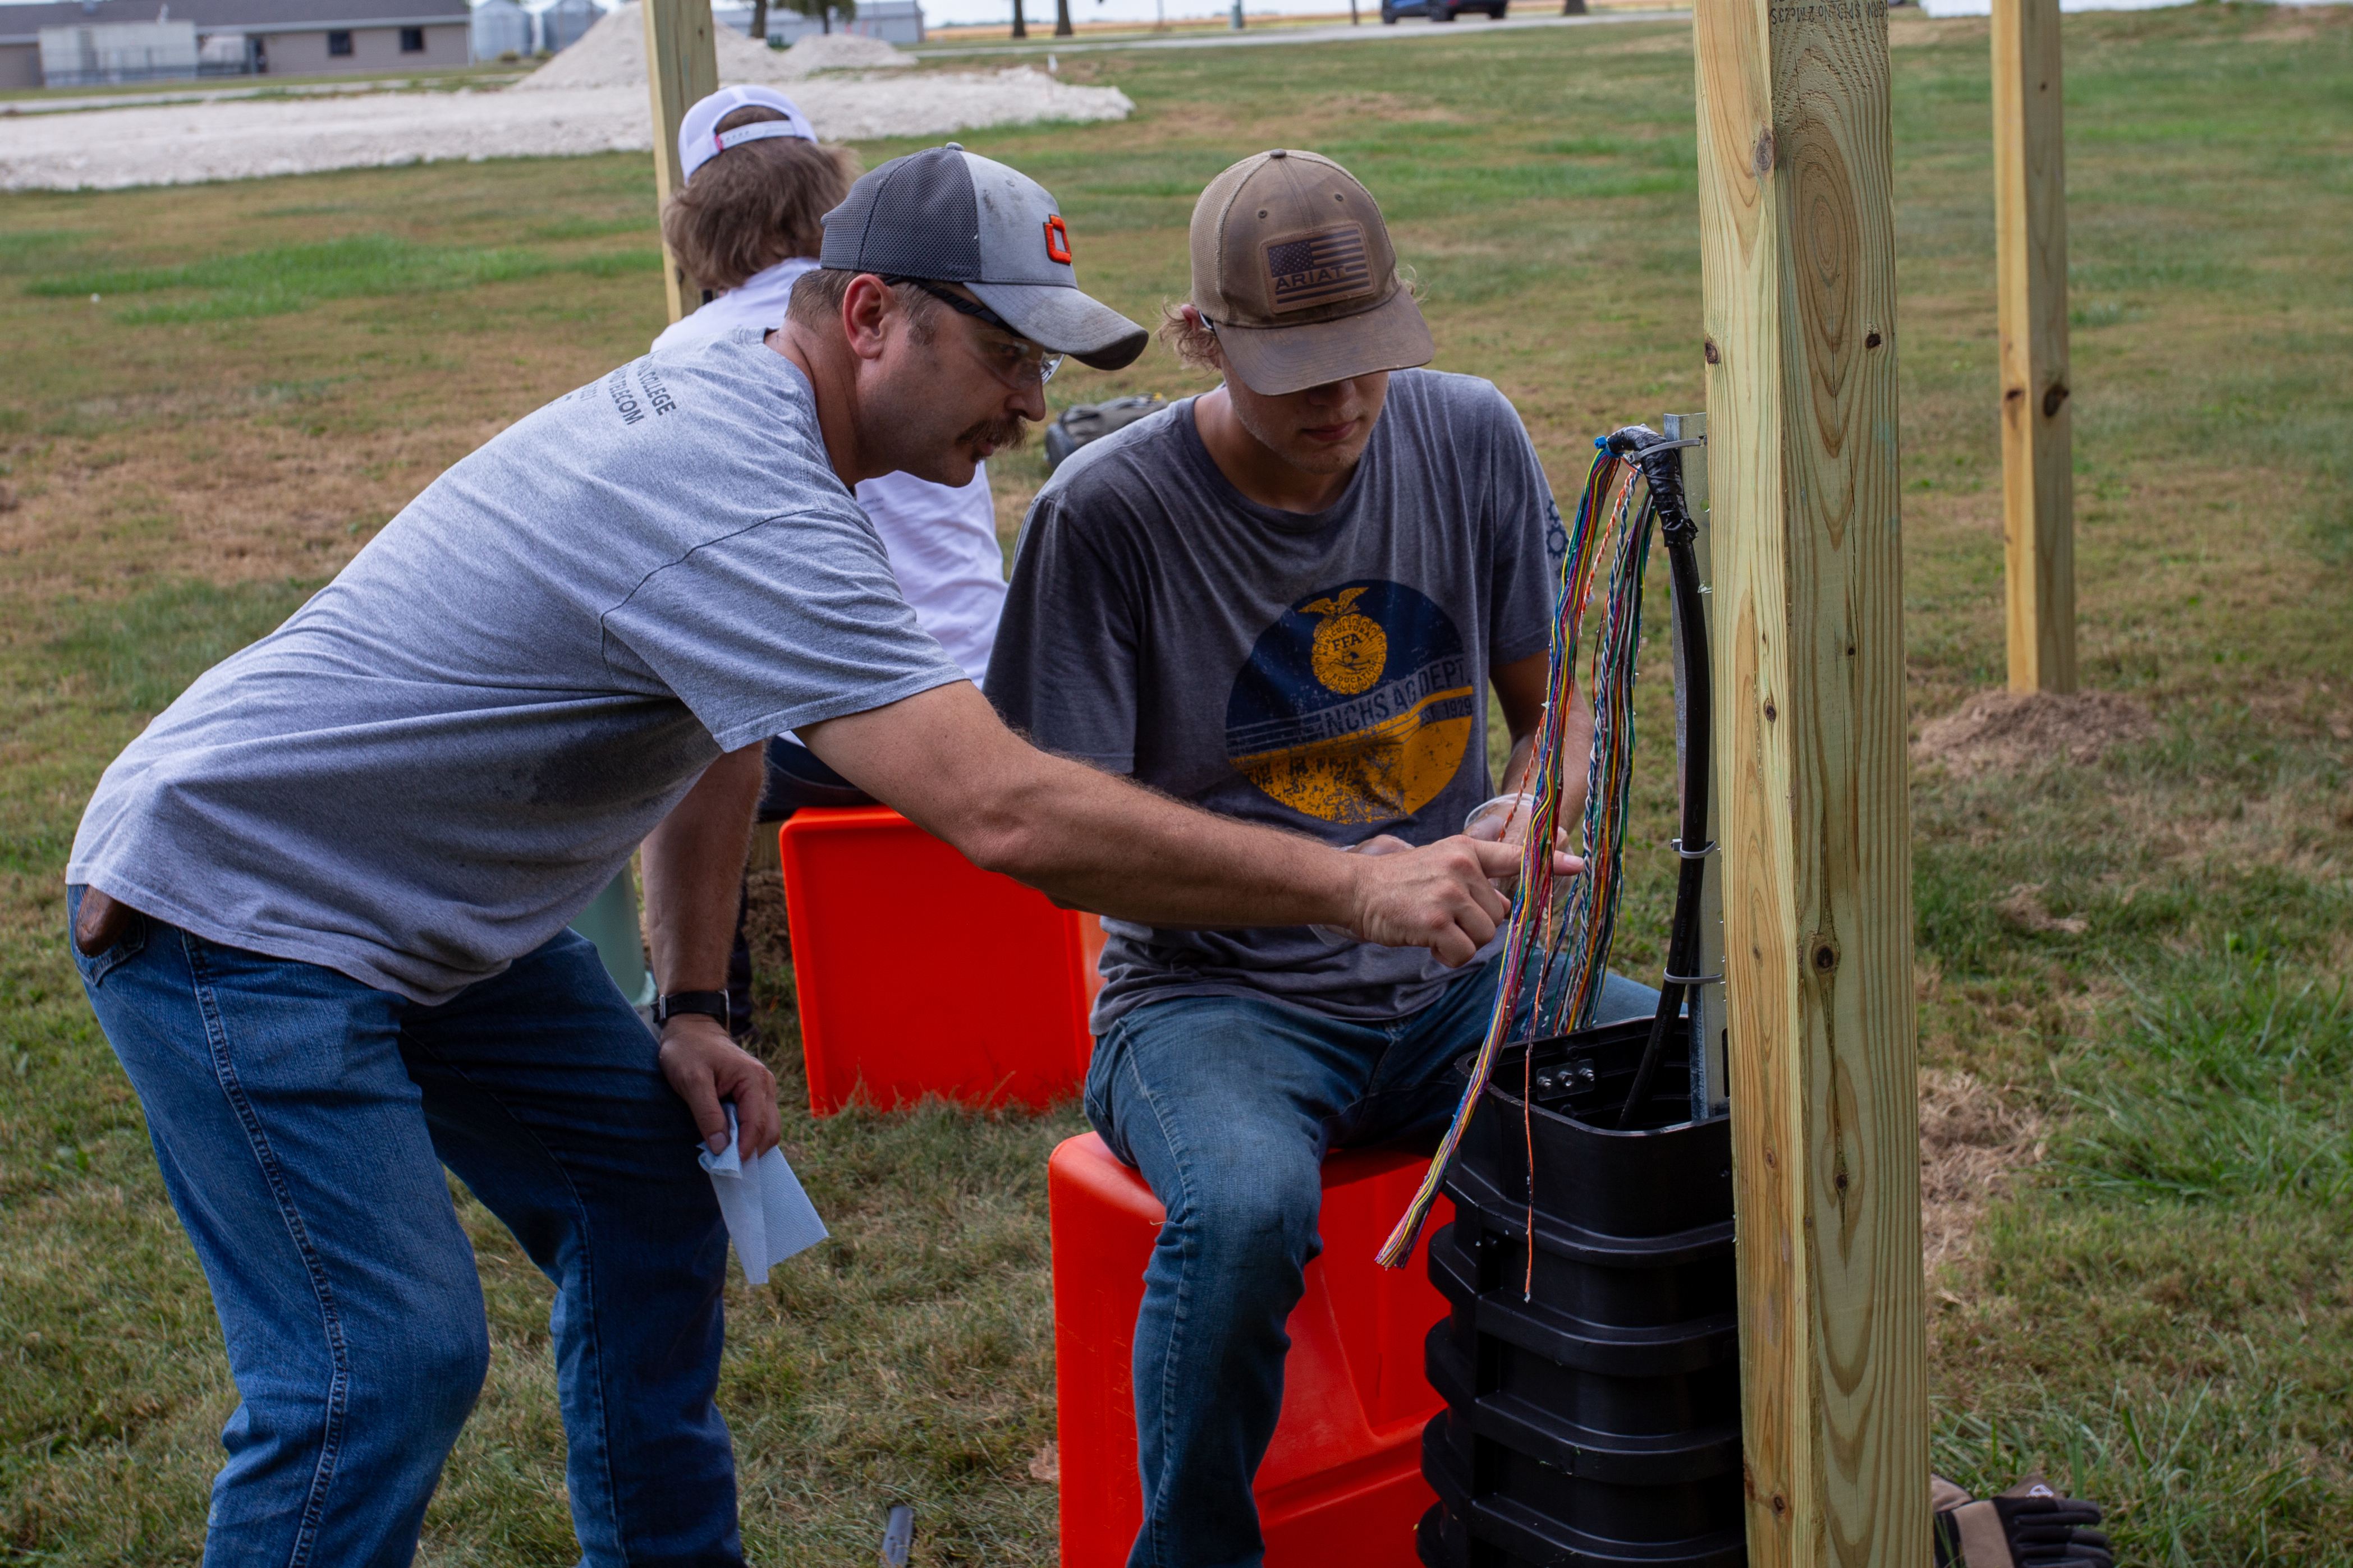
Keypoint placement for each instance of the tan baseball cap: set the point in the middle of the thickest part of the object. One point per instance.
(1293, 267)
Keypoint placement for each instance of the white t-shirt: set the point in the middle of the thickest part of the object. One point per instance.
(942, 539)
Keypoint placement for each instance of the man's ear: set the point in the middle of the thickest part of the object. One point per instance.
(867, 308)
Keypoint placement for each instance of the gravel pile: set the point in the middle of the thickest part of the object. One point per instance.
(540, 117)
(842, 52)
(613, 54)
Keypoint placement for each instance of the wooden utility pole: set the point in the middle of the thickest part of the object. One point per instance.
(1799, 268)
(2038, 488)
(681, 66)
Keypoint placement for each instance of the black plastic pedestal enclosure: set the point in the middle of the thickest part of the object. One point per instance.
(1594, 1420)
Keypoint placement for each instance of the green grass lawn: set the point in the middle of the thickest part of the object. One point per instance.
(216, 395)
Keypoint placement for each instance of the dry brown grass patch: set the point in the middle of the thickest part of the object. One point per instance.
(2022, 907)
(1971, 1140)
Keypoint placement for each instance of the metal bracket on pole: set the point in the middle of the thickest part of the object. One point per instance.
(1709, 1095)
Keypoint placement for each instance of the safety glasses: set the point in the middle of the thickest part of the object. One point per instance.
(1018, 364)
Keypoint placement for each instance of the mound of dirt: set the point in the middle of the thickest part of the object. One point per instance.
(2006, 731)
(840, 52)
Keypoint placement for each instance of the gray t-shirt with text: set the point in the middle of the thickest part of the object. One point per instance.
(436, 764)
(1325, 673)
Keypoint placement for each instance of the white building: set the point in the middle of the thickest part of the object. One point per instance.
(110, 52)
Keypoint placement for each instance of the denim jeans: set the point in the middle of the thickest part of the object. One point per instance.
(302, 1119)
(1227, 1106)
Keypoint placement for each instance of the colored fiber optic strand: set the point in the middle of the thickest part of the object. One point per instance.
(1582, 941)
(1532, 897)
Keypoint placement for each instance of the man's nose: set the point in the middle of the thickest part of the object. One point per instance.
(1030, 401)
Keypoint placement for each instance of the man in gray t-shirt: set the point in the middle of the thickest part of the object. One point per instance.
(319, 907)
(1283, 601)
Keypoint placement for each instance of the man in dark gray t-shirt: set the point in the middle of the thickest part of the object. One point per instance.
(319, 906)
(1283, 601)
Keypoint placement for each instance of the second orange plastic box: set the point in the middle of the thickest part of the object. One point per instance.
(1342, 1482)
(917, 973)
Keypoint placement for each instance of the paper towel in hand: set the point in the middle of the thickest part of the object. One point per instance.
(768, 1217)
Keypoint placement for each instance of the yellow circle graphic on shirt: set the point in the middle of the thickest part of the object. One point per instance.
(1359, 705)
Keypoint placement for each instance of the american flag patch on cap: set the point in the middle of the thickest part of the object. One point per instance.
(1318, 268)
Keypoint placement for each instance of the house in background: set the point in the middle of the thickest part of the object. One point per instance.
(269, 37)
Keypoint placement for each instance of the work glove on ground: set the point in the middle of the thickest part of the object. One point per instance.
(2029, 1526)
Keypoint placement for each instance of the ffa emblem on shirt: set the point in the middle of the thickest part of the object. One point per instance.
(1349, 649)
(1356, 706)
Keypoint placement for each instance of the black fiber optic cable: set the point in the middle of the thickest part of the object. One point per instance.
(1660, 462)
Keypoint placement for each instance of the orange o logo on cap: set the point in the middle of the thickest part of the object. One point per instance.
(1058, 240)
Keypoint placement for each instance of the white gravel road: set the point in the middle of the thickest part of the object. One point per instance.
(182, 144)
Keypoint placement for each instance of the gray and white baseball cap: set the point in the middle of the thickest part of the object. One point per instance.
(952, 216)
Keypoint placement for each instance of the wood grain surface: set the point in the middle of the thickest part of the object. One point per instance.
(2038, 490)
(681, 66)
(1798, 271)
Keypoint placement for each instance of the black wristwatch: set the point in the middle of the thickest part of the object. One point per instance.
(710, 1004)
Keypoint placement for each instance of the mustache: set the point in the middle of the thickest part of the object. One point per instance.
(1006, 435)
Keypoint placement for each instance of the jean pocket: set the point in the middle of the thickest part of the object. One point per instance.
(1096, 1097)
(96, 966)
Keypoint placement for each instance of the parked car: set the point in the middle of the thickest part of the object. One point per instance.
(1440, 10)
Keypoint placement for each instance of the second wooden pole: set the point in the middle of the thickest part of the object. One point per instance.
(2038, 488)
(681, 67)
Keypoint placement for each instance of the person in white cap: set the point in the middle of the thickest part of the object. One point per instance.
(757, 182)
(318, 905)
(746, 226)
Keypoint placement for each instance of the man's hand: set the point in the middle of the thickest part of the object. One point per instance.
(704, 1068)
(1439, 897)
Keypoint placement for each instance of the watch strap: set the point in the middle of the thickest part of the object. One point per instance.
(710, 1004)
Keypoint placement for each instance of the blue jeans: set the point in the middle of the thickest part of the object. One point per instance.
(1227, 1106)
(302, 1120)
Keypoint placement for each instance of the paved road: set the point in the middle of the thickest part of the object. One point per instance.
(1371, 30)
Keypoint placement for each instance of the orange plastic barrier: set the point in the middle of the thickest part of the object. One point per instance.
(1342, 1481)
(917, 973)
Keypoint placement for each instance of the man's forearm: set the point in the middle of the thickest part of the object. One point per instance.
(1100, 843)
(695, 875)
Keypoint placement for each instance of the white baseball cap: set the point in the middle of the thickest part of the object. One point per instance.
(699, 140)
